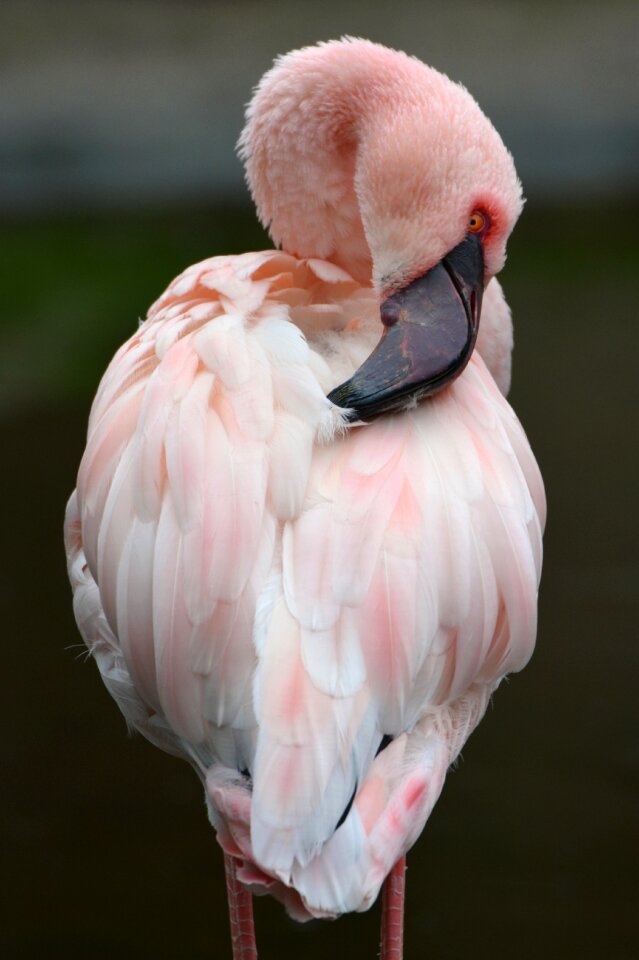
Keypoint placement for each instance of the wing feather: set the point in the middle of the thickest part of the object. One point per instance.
(311, 748)
(185, 435)
(134, 608)
(263, 602)
(180, 692)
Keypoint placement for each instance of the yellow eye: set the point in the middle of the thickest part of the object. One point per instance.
(477, 222)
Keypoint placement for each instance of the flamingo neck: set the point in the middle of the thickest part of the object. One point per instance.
(366, 157)
(307, 126)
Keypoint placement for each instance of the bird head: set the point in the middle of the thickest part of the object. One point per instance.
(367, 157)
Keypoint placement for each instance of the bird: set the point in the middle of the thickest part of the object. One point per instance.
(305, 543)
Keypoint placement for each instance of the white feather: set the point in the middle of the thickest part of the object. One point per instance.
(266, 590)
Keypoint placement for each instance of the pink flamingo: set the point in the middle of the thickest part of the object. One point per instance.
(310, 599)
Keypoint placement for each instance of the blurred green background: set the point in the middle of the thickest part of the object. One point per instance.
(117, 169)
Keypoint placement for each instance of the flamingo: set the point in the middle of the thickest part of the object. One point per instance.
(305, 543)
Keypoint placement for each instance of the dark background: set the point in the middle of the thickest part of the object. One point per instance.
(117, 125)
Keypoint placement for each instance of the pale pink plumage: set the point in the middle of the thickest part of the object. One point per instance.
(267, 590)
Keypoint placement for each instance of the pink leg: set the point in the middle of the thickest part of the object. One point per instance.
(392, 947)
(240, 914)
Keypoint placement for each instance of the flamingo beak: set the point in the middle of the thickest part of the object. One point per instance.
(430, 329)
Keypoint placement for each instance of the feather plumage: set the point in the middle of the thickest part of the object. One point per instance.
(272, 595)
(388, 573)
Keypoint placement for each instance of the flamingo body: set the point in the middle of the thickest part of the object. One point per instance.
(314, 615)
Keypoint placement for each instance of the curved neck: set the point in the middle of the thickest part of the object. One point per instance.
(301, 144)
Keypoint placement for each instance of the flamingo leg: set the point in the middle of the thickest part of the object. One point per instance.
(392, 938)
(240, 914)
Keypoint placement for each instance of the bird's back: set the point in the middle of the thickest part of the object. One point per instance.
(314, 617)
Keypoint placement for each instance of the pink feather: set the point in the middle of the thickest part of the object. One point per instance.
(267, 591)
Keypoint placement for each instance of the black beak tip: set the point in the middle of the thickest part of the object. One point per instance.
(342, 397)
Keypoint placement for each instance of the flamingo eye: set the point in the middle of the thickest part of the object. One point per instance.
(478, 222)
